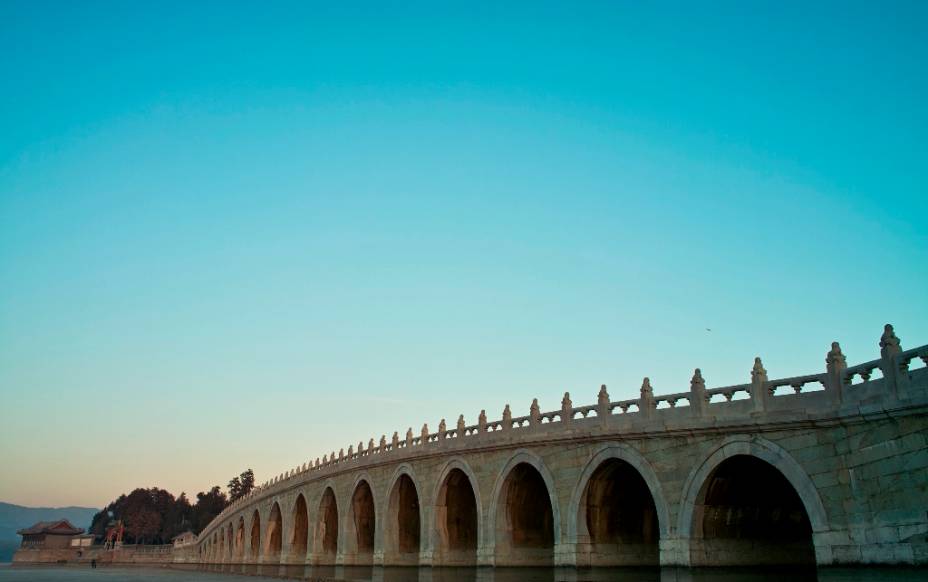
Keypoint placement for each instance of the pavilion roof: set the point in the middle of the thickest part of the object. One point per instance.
(60, 527)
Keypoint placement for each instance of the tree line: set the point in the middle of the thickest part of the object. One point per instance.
(155, 516)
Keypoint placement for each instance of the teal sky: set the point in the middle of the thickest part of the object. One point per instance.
(246, 234)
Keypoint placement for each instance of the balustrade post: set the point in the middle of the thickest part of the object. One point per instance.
(442, 431)
(482, 422)
(893, 375)
(646, 401)
(507, 419)
(409, 437)
(567, 408)
(534, 414)
(462, 426)
(835, 366)
(602, 404)
(697, 393)
(758, 386)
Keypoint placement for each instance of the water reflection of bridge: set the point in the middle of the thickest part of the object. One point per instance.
(825, 468)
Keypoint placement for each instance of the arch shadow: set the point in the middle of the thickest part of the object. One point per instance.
(696, 484)
(577, 528)
(506, 551)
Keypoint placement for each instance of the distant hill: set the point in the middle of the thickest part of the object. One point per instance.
(16, 517)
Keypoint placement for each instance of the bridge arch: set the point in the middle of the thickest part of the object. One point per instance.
(361, 526)
(325, 539)
(230, 548)
(457, 533)
(402, 529)
(299, 536)
(240, 538)
(273, 543)
(254, 539)
(617, 465)
(524, 517)
(775, 473)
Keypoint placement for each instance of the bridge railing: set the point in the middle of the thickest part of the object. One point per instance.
(837, 386)
(798, 383)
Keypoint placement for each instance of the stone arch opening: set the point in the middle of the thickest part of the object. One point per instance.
(240, 538)
(404, 531)
(300, 538)
(255, 536)
(748, 513)
(230, 549)
(275, 525)
(525, 519)
(327, 527)
(363, 522)
(221, 554)
(618, 517)
(456, 519)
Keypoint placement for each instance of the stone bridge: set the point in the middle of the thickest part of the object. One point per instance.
(827, 468)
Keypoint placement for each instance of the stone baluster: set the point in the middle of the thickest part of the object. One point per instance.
(482, 422)
(350, 451)
(461, 427)
(409, 437)
(424, 434)
(895, 375)
(697, 393)
(370, 446)
(396, 440)
(442, 431)
(325, 459)
(332, 457)
(383, 443)
(507, 419)
(341, 454)
(646, 400)
(758, 386)
(602, 403)
(835, 366)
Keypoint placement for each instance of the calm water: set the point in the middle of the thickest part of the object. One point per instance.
(255, 573)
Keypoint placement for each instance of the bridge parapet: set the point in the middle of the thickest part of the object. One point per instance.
(880, 384)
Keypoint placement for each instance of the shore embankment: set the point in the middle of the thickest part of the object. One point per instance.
(126, 555)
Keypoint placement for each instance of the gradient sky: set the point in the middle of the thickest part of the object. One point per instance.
(246, 234)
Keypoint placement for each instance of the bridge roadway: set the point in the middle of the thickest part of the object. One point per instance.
(827, 468)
